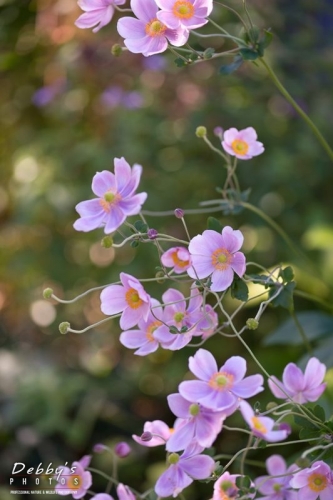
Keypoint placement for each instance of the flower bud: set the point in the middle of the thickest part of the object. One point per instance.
(160, 277)
(285, 427)
(271, 405)
(116, 50)
(201, 132)
(47, 293)
(303, 462)
(179, 213)
(152, 234)
(107, 242)
(146, 436)
(122, 449)
(99, 448)
(252, 324)
(64, 327)
(218, 131)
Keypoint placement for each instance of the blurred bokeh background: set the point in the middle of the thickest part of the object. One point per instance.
(67, 108)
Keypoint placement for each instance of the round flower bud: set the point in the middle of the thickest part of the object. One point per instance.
(173, 458)
(99, 448)
(47, 293)
(64, 327)
(160, 275)
(271, 405)
(179, 213)
(218, 131)
(116, 50)
(252, 324)
(122, 449)
(152, 234)
(146, 436)
(107, 242)
(303, 462)
(201, 132)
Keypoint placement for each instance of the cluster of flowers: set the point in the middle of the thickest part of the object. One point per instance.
(157, 22)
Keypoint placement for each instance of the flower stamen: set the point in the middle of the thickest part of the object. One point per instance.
(183, 9)
(155, 28)
(133, 299)
(240, 147)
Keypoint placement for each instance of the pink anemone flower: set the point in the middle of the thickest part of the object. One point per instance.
(116, 198)
(217, 255)
(189, 14)
(97, 12)
(130, 299)
(178, 258)
(262, 427)
(160, 433)
(314, 482)
(75, 481)
(147, 35)
(243, 143)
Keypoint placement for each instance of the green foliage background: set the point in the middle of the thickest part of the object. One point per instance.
(61, 394)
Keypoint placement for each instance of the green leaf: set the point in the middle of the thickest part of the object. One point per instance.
(319, 412)
(239, 290)
(180, 63)
(303, 422)
(285, 298)
(249, 54)
(134, 244)
(254, 34)
(243, 482)
(266, 38)
(214, 224)
(141, 226)
(227, 69)
(287, 274)
(173, 329)
(309, 433)
(316, 325)
(208, 54)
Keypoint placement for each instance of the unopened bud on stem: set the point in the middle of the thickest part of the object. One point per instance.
(47, 293)
(64, 327)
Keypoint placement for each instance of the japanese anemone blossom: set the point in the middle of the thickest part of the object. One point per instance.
(243, 143)
(262, 427)
(116, 198)
(97, 12)
(314, 482)
(276, 488)
(217, 255)
(142, 339)
(183, 470)
(189, 14)
(160, 431)
(129, 298)
(76, 480)
(219, 388)
(178, 258)
(225, 487)
(300, 388)
(147, 35)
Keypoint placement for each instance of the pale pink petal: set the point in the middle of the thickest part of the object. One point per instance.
(114, 220)
(235, 366)
(102, 182)
(144, 9)
(155, 45)
(129, 27)
(172, 482)
(230, 135)
(168, 19)
(130, 317)
(132, 206)
(276, 387)
(221, 280)
(233, 239)
(133, 338)
(293, 378)
(203, 364)
(198, 467)
(238, 263)
(90, 208)
(113, 300)
(177, 37)
(248, 134)
(314, 373)
(194, 390)
(276, 465)
(122, 172)
(249, 387)
(89, 223)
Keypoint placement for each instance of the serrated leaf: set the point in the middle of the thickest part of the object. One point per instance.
(239, 290)
(227, 69)
(214, 224)
(249, 54)
(316, 325)
(285, 299)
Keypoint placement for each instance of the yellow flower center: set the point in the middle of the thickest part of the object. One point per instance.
(277, 487)
(317, 482)
(183, 9)
(150, 330)
(221, 259)
(73, 482)
(177, 261)
(155, 28)
(178, 317)
(258, 425)
(132, 298)
(240, 147)
(108, 200)
(221, 381)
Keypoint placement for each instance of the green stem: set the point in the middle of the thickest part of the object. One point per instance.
(299, 110)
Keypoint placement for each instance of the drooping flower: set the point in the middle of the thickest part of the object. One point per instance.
(130, 299)
(225, 487)
(160, 431)
(143, 338)
(97, 13)
(76, 480)
(177, 314)
(217, 255)
(183, 470)
(147, 35)
(262, 427)
(178, 258)
(219, 388)
(209, 322)
(116, 198)
(276, 488)
(314, 482)
(243, 143)
(300, 388)
(195, 423)
(188, 14)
